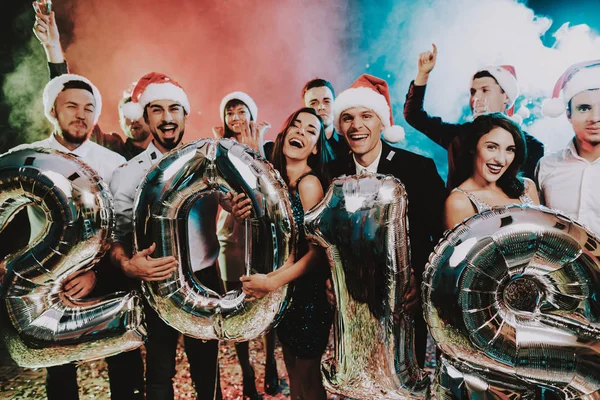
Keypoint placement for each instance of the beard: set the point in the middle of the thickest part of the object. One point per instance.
(168, 143)
(75, 137)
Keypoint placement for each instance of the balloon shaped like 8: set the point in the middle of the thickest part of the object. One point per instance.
(204, 171)
(362, 223)
(71, 207)
(511, 298)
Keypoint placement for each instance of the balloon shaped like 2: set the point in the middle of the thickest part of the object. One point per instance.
(511, 298)
(41, 325)
(362, 222)
(204, 171)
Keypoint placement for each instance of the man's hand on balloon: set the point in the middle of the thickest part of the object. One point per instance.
(143, 266)
(412, 296)
(79, 284)
(241, 206)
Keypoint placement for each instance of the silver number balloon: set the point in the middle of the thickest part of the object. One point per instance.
(511, 298)
(41, 325)
(205, 170)
(362, 223)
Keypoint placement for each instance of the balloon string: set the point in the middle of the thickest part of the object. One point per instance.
(247, 245)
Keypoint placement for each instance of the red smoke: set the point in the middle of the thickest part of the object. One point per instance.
(267, 49)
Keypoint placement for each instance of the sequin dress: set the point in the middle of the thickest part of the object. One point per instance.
(481, 205)
(305, 326)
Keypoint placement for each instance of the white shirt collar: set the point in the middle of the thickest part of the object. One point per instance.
(369, 168)
(80, 151)
(573, 150)
(153, 149)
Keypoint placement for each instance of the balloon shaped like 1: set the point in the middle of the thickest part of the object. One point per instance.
(511, 298)
(41, 325)
(200, 174)
(362, 223)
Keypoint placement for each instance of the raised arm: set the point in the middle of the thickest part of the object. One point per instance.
(435, 128)
(46, 32)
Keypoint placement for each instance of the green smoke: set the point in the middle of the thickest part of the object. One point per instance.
(22, 91)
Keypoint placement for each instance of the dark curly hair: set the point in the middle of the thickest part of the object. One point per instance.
(317, 162)
(510, 182)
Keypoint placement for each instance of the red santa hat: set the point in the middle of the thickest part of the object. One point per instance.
(506, 76)
(244, 98)
(151, 87)
(56, 85)
(576, 79)
(373, 93)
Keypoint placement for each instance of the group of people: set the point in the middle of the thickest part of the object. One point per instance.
(492, 162)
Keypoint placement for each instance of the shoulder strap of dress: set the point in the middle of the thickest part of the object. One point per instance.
(477, 203)
(301, 177)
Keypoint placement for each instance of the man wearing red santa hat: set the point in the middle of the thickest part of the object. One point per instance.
(361, 114)
(164, 105)
(493, 89)
(568, 179)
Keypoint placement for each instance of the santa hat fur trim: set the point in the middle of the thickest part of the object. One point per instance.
(56, 85)
(506, 77)
(576, 79)
(152, 87)
(363, 96)
(241, 96)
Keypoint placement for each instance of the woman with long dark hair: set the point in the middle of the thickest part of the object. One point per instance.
(489, 170)
(304, 330)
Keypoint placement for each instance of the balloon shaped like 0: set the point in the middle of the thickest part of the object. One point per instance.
(42, 326)
(511, 298)
(198, 171)
(362, 223)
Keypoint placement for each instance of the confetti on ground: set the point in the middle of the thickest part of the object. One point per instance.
(28, 384)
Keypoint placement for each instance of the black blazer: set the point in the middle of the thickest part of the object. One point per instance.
(426, 194)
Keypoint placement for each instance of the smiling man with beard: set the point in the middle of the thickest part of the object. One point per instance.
(73, 105)
(164, 106)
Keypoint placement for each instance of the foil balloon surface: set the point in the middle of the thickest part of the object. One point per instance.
(205, 171)
(70, 212)
(362, 223)
(511, 299)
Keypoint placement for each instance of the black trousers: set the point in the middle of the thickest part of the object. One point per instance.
(202, 355)
(125, 370)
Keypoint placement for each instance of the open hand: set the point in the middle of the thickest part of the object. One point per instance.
(147, 268)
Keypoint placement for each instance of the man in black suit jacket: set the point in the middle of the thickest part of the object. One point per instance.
(361, 114)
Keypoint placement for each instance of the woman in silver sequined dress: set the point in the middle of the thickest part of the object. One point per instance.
(489, 170)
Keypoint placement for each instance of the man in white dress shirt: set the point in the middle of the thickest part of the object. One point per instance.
(165, 106)
(73, 105)
(569, 179)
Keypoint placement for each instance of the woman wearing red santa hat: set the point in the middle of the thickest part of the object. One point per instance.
(239, 113)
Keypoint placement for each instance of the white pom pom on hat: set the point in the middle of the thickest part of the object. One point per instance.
(373, 93)
(151, 87)
(56, 85)
(576, 79)
(243, 97)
